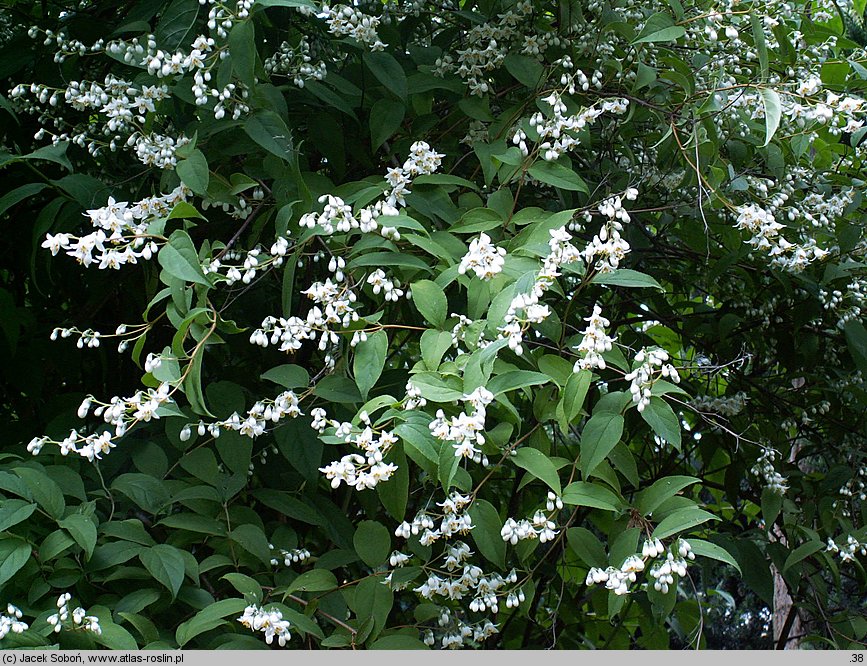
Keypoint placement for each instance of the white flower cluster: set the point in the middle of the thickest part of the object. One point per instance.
(526, 309)
(222, 17)
(458, 578)
(383, 284)
(619, 579)
(120, 233)
(651, 368)
(243, 267)
(594, 343)
(87, 338)
(488, 44)
(557, 134)
(66, 46)
(849, 550)
(664, 572)
(728, 405)
(856, 487)
(122, 108)
(608, 248)
(465, 430)
(846, 305)
(254, 423)
(339, 217)
(296, 63)
(81, 621)
(483, 258)
(345, 21)
(765, 471)
(539, 527)
(765, 236)
(413, 397)
(270, 623)
(11, 622)
(337, 303)
(359, 471)
(454, 632)
(455, 520)
(201, 60)
(463, 579)
(289, 557)
(122, 413)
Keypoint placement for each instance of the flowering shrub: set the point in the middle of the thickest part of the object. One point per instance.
(411, 324)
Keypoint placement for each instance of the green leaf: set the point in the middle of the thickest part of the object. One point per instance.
(242, 49)
(447, 465)
(433, 387)
(772, 504)
(166, 564)
(856, 339)
(14, 554)
(192, 522)
(659, 28)
(601, 434)
(54, 544)
(574, 394)
(180, 260)
(288, 376)
(625, 277)
(650, 498)
(369, 360)
(583, 493)
(398, 642)
(419, 444)
(316, 580)
(245, 585)
(82, 529)
(252, 539)
(515, 379)
(713, 551)
(801, 553)
(372, 601)
(539, 465)
(44, 490)
(268, 130)
(302, 623)
(587, 546)
(176, 24)
(389, 259)
(13, 511)
(486, 533)
(113, 636)
(385, 119)
(661, 417)
(430, 300)
(761, 45)
(387, 71)
(194, 172)
(372, 542)
(682, 520)
(433, 345)
(476, 220)
(184, 210)
(773, 112)
(209, 618)
(525, 69)
(286, 3)
(558, 175)
(18, 195)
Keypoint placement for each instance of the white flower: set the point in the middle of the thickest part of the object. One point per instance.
(484, 258)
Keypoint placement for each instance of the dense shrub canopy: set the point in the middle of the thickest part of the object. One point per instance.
(433, 324)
